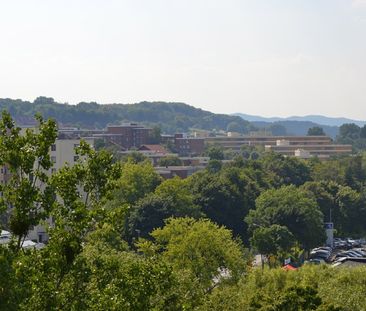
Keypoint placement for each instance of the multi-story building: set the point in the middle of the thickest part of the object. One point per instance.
(321, 146)
(310, 150)
(180, 171)
(130, 135)
(4, 174)
(125, 136)
(188, 145)
(62, 152)
(235, 143)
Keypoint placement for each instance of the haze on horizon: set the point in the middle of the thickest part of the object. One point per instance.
(261, 57)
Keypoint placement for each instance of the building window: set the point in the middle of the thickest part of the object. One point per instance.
(53, 170)
(53, 159)
(76, 158)
(53, 147)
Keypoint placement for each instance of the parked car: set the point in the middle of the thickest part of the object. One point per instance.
(323, 254)
(358, 251)
(347, 254)
(316, 261)
(323, 248)
(360, 254)
(353, 243)
(5, 237)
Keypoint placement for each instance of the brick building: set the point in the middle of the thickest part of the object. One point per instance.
(128, 135)
(188, 145)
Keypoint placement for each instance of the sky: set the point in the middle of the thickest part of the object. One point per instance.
(262, 57)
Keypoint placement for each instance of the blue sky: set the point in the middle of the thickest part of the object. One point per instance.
(283, 57)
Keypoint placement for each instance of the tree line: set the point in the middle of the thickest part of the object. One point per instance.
(353, 134)
(170, 117)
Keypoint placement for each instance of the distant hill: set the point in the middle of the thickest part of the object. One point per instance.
(322, 120)
(298, 128)
(171, 117)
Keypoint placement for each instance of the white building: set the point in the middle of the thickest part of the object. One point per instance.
(62, 153)
(302, 154)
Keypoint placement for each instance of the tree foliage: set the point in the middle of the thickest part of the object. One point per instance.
(168, 117)
(292, 208)
(216, 255)
(170, 161)
(215, 153)
(273, 240)
(136, 181)
(316, 131)
(225, 197)
(27, 195)
(171, 198)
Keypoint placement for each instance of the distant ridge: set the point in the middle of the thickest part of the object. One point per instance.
(171, 117)
(318, 119)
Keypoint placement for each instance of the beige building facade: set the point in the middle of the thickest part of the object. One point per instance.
(62, 153)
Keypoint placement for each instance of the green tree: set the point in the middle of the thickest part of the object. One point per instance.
(215, 153)
(170, 161)
(349, 130)
(330, 170)
(178, 190)
(54, 277)
(83, 189)
(316, 131)
(135, 157)
(363, 132)
(341, 205)
(351, 212)
(355, 172)
(215, 256)
(234, 127)
(277, 129)
(123, 280)
(155, 135)
(282, 170)
(171, 198)
(136, 181)
(9, 297)
(292, 208)
(274, 240)
(325, 194)
(27, 157)
(214, 166)
(225, 197)
(103, 275)
(299, 298)
(309, 288)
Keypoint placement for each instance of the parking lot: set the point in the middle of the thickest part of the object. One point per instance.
(344, 249)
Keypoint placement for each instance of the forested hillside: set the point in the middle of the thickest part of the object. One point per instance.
(171, 117)
(318, 119)
(295, 128)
